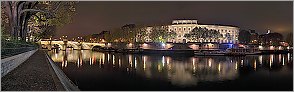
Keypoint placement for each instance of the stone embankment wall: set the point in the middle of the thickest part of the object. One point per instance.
(10, 63)
(153, 46)
(67, 84)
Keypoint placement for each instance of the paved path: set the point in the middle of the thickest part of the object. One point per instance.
(35, 74)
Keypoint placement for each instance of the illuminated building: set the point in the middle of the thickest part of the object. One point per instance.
(228, 34)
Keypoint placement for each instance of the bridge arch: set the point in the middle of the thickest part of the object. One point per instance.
(97, 45)
(75, 46)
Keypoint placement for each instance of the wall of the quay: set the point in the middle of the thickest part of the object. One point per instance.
(65, 81)
(10, 63)
(165, 46)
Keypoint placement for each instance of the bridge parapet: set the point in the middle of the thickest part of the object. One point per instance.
(70, 44)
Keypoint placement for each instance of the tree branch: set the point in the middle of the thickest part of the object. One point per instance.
(57, 6)
(34, 10)
(38, 17)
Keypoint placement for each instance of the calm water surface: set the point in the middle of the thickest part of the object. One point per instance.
(91, 70)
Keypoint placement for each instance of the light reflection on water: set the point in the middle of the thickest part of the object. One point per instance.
(179, 71)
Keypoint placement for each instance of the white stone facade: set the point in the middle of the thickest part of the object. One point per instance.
(181, 27)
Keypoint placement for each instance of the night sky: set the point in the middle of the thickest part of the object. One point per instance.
(96, 16)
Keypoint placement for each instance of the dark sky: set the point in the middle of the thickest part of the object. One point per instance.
(96, 16)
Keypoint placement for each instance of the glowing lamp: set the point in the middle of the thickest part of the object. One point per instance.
(260, 47)
(163, 44)
(144, 45)
(108, 44)
(272, 48)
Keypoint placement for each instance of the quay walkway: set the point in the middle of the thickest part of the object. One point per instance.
(34, 74)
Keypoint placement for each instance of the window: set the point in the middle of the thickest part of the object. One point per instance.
(175, 29)
(179, 29)
(184, 29)
(189, 29)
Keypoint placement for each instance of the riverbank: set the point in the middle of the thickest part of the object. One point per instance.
(34, 74)
(187, 51)
(148, 51)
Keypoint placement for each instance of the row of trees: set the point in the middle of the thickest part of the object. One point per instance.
(161, 34)
(18, 17)
(125, 34)
(204, 33)
(140, 34)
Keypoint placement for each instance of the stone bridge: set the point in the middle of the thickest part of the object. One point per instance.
(49, 44)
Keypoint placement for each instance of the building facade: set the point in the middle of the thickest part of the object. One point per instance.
(228, 34)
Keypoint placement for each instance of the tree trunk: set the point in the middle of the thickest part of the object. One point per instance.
(14, 20)
(8, 8)
(25, 25)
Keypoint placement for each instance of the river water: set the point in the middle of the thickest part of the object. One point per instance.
(92, 70)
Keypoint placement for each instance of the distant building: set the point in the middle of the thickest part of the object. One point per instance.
(96, 37)
(270, 38)
(229, 34)
(253, 37)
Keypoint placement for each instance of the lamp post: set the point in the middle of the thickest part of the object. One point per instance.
(64, 39)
